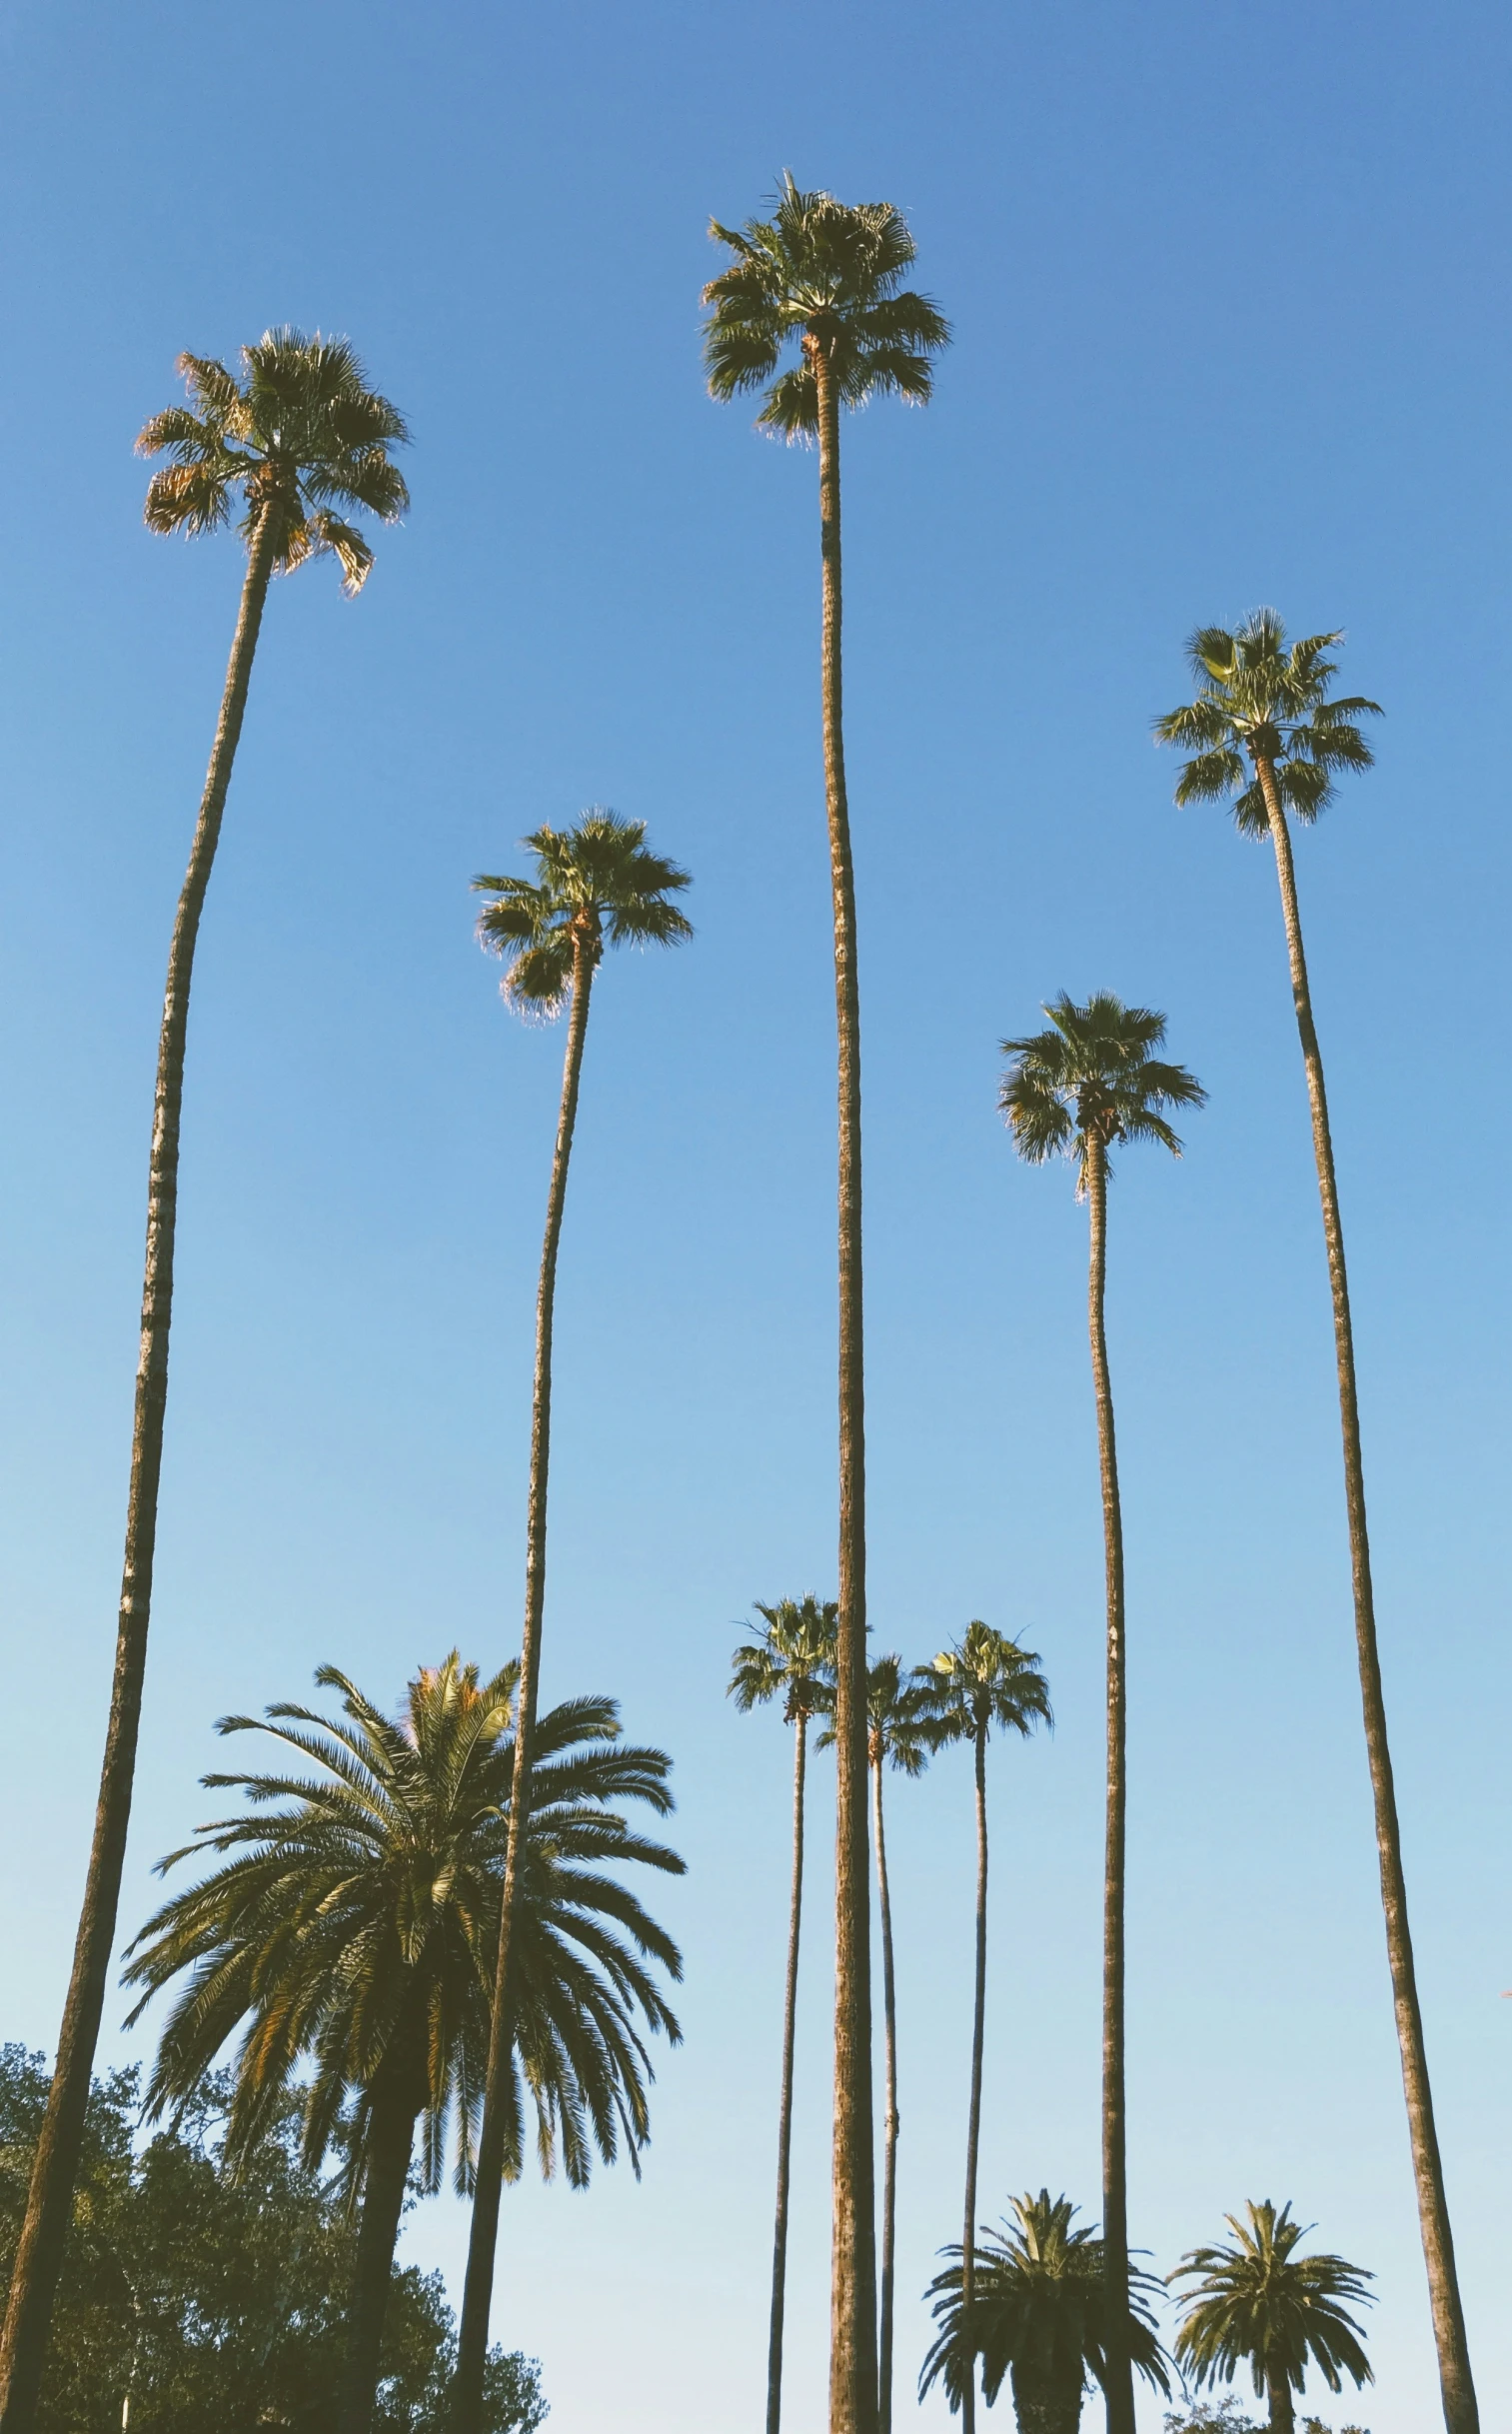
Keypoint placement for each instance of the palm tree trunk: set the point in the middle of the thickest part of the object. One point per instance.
(390, 2138)
(477, 2288)
(1121, 2383)
(1281, 2413)
(852, 2310)
(49, 2205)
(973, 2118)
(784, 2102)
(1461, 2414)
(890, 2121)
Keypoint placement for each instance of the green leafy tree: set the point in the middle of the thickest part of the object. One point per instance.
(985, 1682)
(1036, 2314)
(595, 885)
(1092, 1081)
(193, 2295)
(1263, 736)
(825, 279)
(299, 436)
(792, 1659)
(1256, 2303)
(352, 1935)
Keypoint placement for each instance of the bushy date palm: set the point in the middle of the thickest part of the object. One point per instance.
(1256, 2303)
(822, 282)
(351, 1939)
(285, 446)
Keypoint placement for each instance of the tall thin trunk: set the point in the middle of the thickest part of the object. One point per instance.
(1461, 2414)
(973, 2117)
(889, 2118)
(784, 2101)
(391, 2136)
(477, 2288)
(852, 2306)
(1281, 2412)
(1121, 2384)
(49, 2205)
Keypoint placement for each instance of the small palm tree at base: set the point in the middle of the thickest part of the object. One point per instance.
(1039, 2316)
(1256, 2303)
(1091, 1081)
(299, 435)
(986, 1681)
(794, 1660)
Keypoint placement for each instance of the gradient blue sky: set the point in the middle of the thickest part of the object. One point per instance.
(1230, 297)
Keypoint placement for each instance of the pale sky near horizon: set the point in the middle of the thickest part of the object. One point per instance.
(1229, 292)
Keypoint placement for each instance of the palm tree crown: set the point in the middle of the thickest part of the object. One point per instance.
(985, 1679)
(354, 1932)
(298, 437)
(794, 1660)
(1039, 2310)
(1257, 2304)
(827, 275)
(597, 883)
(1092, 1078)
(1258, 697)
(900, 1727)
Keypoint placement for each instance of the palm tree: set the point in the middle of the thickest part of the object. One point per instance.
(985, 1680)
(1091, 1080)
(352, 1937)
(596, 884)
(299, 436)
(827, 277)
(1258, 2304)
(1264, 708)
(1038, 2315)
(793, 1658)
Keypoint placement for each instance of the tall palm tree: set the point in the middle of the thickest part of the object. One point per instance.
(1039, 2316)
(898, 1734)
(1092, 1080)
(299, 436)
(792, 1659)
(1264, 736)
(825, 277)
(352, 1937)
(1257, 2304)
(597, 885)
(987, 1680)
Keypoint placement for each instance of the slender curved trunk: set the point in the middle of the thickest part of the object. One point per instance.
(1121, 2383)
(973, 2117)
(477, 2288)
(391, 2137)
(852, 2302)
(49, 2205)
(1282, 2416)
(784, 2101)
(889, 2120)
(1461, 2414)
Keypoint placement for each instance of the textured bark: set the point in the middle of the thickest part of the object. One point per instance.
(890, 2123)
(1282, 2415)
(477, 2288)
(784, 2101)
(852, 2306)
(1120, 2386)
(1461, 2414)
(973, 2115)
(49, 2207)
(391, 2137)
(1044, 2406)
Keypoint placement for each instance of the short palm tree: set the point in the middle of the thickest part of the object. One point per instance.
(1091, 1080)
(985, 1682)
(825, 278)
(792, 1659)
(351, 1938)
(299, 436)
(1265, 737)
(595, 885)
(1038, 2315)
(1256, 2303)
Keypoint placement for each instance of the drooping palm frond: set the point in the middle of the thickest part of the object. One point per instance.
(794, 1660)
(823, 276)
(597, 883)
(1093, 1077)
(984, 1682)
(899, 1718)
(1259, 700)
(1256, 2303)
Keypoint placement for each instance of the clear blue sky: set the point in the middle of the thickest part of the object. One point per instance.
(1230, 297)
